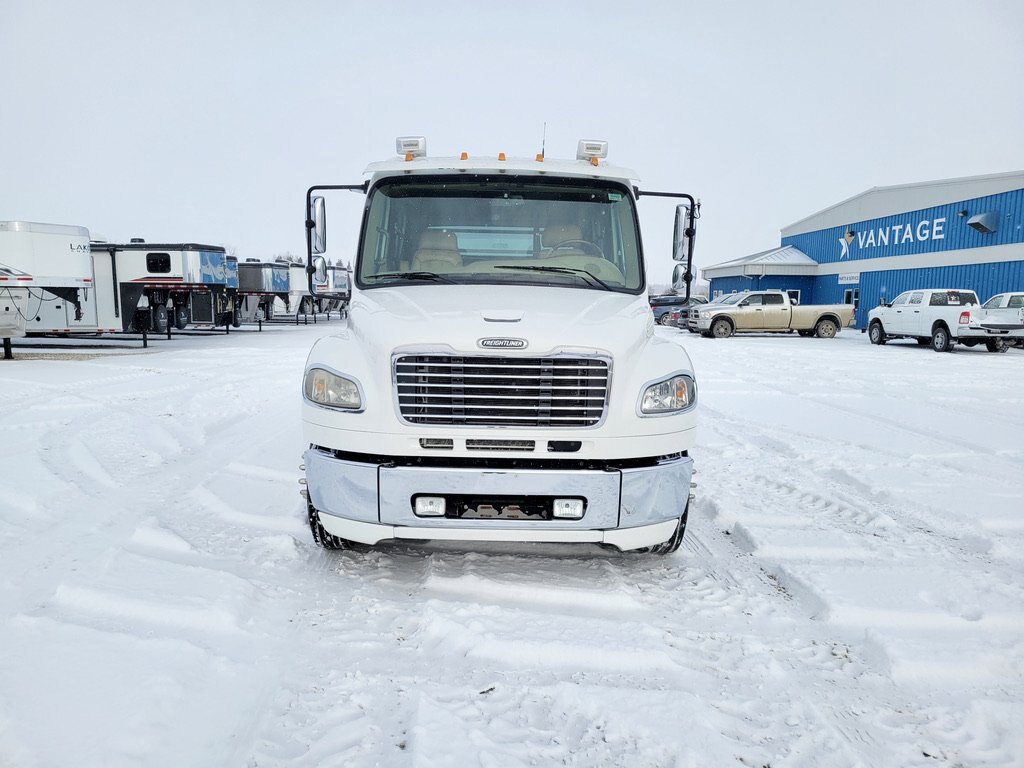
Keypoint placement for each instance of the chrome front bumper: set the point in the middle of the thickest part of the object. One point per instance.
(370, 502)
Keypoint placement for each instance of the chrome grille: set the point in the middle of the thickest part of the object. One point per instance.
(501, 391)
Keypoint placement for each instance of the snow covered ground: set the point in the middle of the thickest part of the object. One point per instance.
(850, 591)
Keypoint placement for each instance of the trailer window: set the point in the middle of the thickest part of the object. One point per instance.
(158, 263)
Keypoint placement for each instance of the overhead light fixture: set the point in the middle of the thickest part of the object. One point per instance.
(985, 223)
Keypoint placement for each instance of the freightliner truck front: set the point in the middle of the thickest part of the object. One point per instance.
(499, 377)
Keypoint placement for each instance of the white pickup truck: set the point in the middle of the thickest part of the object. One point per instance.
(769, 312)
(938, 317)
(1001, 319)
(499, 377)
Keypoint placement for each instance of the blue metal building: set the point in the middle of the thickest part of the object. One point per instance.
(958, 233)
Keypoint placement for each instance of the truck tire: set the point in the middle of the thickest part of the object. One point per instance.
(826, 329)
(721, 328)
(996, 345)
(876, 334)
(320, 536)
(670, 546)
(941, 342)
(664, 319)
(160, 318)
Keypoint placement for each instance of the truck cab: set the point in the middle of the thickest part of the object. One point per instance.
(499, 377)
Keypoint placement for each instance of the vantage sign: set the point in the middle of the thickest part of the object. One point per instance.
(895, 235)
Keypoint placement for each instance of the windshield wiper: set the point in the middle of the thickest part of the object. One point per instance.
(429, 276)
(558, 270)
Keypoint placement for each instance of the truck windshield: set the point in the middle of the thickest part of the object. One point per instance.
(424, 230)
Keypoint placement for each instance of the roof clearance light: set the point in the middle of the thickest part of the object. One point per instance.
(411, 147)
(591, 150)
(464, 156)
(501, 155)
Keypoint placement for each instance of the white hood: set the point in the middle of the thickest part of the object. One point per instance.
(449, 317)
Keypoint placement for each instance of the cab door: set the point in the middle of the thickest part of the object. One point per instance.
(776, 311)
(897, 316)
(749, 313)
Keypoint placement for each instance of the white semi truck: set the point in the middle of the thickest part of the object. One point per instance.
(499, 377)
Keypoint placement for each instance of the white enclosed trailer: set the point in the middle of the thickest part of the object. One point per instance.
(50, 267)
(151, 285)
(259, 284)
(299, 299)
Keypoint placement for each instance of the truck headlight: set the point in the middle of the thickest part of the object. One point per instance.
(669, 396)
(331, 390)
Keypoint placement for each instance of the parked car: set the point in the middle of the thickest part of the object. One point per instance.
(772, 312)
(669, 308)
(941, 318)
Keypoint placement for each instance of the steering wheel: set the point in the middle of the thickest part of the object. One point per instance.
(582, 245)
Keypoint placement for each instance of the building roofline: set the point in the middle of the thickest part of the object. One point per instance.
(914, 185)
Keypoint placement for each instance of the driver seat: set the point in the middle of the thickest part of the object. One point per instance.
(554, 234)
(438, 252)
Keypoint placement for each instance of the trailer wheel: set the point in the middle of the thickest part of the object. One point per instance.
(721, 329)
(940, 339)
(876, 335)
(236, 317)
(321, 536)
(160, 318)
(825, 329)
(180, 318)
(996, 345)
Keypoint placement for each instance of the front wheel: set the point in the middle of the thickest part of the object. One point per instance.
(721, 329)
(321, 537)
(670, 546)
(876, 335)
(664, 319)
(826, 329)
(940, 339)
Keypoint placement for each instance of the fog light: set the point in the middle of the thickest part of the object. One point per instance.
(429, 506)
(570, 508)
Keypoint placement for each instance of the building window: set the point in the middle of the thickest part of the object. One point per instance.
(852, 296)
(794, 296)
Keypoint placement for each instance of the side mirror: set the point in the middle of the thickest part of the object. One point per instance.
(320, 270)
(683, 234)
(318, 224)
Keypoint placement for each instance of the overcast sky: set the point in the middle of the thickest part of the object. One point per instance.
(206, 121)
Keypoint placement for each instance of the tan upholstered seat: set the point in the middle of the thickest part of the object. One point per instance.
(438, 252)
(554, 234)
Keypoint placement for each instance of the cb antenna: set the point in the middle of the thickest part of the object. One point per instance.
(543, 140)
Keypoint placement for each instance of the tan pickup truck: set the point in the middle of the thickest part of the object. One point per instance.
(771, 312)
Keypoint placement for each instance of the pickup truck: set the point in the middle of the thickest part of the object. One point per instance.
(1001, 319)
(936, 317)
(770, 312)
